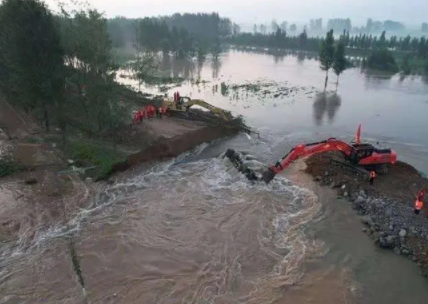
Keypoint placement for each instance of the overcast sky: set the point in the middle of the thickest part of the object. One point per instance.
(250, 11)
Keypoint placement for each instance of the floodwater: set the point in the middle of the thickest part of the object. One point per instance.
(191, 230)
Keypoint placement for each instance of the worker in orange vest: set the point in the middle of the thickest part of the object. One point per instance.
(372, 177)
(418, 206)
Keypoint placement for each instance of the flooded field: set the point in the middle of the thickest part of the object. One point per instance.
(192, 230)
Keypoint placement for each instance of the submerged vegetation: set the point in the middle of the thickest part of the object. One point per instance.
(66, 74)
(383, 60)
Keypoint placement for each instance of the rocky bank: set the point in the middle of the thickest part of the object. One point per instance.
(386, 208)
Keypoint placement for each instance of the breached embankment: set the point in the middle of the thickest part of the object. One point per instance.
(163, 148)
(385, 208)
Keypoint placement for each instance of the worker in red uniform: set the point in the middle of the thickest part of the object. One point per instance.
(372, 177)
(137, 117)
(418, 206)
(150, 111)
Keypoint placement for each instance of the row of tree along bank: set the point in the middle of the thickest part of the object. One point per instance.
(65, 76)
(196, 35)
(393, 54)
(183, 35)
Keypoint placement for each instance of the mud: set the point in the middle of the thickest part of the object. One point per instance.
(386, 207)
(164, 148)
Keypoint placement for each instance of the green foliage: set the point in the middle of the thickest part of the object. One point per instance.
(382, 60)
(359, 45)
(326, 54)
(144, 68)
(9, 166)
(91, 153)
(34, 71)
(340, 63)
(405, 66)
(183, 35)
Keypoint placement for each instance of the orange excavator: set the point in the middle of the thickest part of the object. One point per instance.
(360, 157)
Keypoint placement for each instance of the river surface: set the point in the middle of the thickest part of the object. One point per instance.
(191, 230)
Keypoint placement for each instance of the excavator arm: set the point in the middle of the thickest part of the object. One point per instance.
(303, 150)
(299, 151)
(222, 113)
(358, 154)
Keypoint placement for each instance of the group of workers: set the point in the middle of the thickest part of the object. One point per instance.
(177, 96)
(419, 204)
(149, 112)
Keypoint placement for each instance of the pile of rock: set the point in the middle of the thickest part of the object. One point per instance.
(389, 222)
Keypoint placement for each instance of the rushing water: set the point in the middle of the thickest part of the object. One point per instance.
(191, 230)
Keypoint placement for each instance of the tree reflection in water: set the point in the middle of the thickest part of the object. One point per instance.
(325, 103)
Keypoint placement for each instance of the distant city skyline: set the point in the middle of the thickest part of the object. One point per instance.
(409, 12)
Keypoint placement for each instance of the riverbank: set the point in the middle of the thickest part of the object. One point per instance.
(385, 208)
(51, 188)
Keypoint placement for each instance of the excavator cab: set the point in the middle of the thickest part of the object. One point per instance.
(359, 152)
(182, 101)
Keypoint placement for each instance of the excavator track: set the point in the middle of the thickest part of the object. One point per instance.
(359, 171)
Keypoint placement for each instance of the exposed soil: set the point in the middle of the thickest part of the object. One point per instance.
(15, 124)
(173, 146)
(402, 181)
(39, 195)
(386, 207)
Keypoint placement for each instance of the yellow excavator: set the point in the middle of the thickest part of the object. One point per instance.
(184, 103)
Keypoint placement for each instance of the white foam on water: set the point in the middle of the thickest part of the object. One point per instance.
(218, 179)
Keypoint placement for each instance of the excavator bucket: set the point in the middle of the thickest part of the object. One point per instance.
(268, 175)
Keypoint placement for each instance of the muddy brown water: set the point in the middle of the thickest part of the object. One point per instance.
(191, 230)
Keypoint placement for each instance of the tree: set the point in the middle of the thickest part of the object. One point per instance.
(382, 60)
(326, 55)
(34, 71)
(405, 67)
(382, 40)
(90, 72)
(143, 68)
(340, 63)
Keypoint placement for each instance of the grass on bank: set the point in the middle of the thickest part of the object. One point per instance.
(9, 166)
(87, 153)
